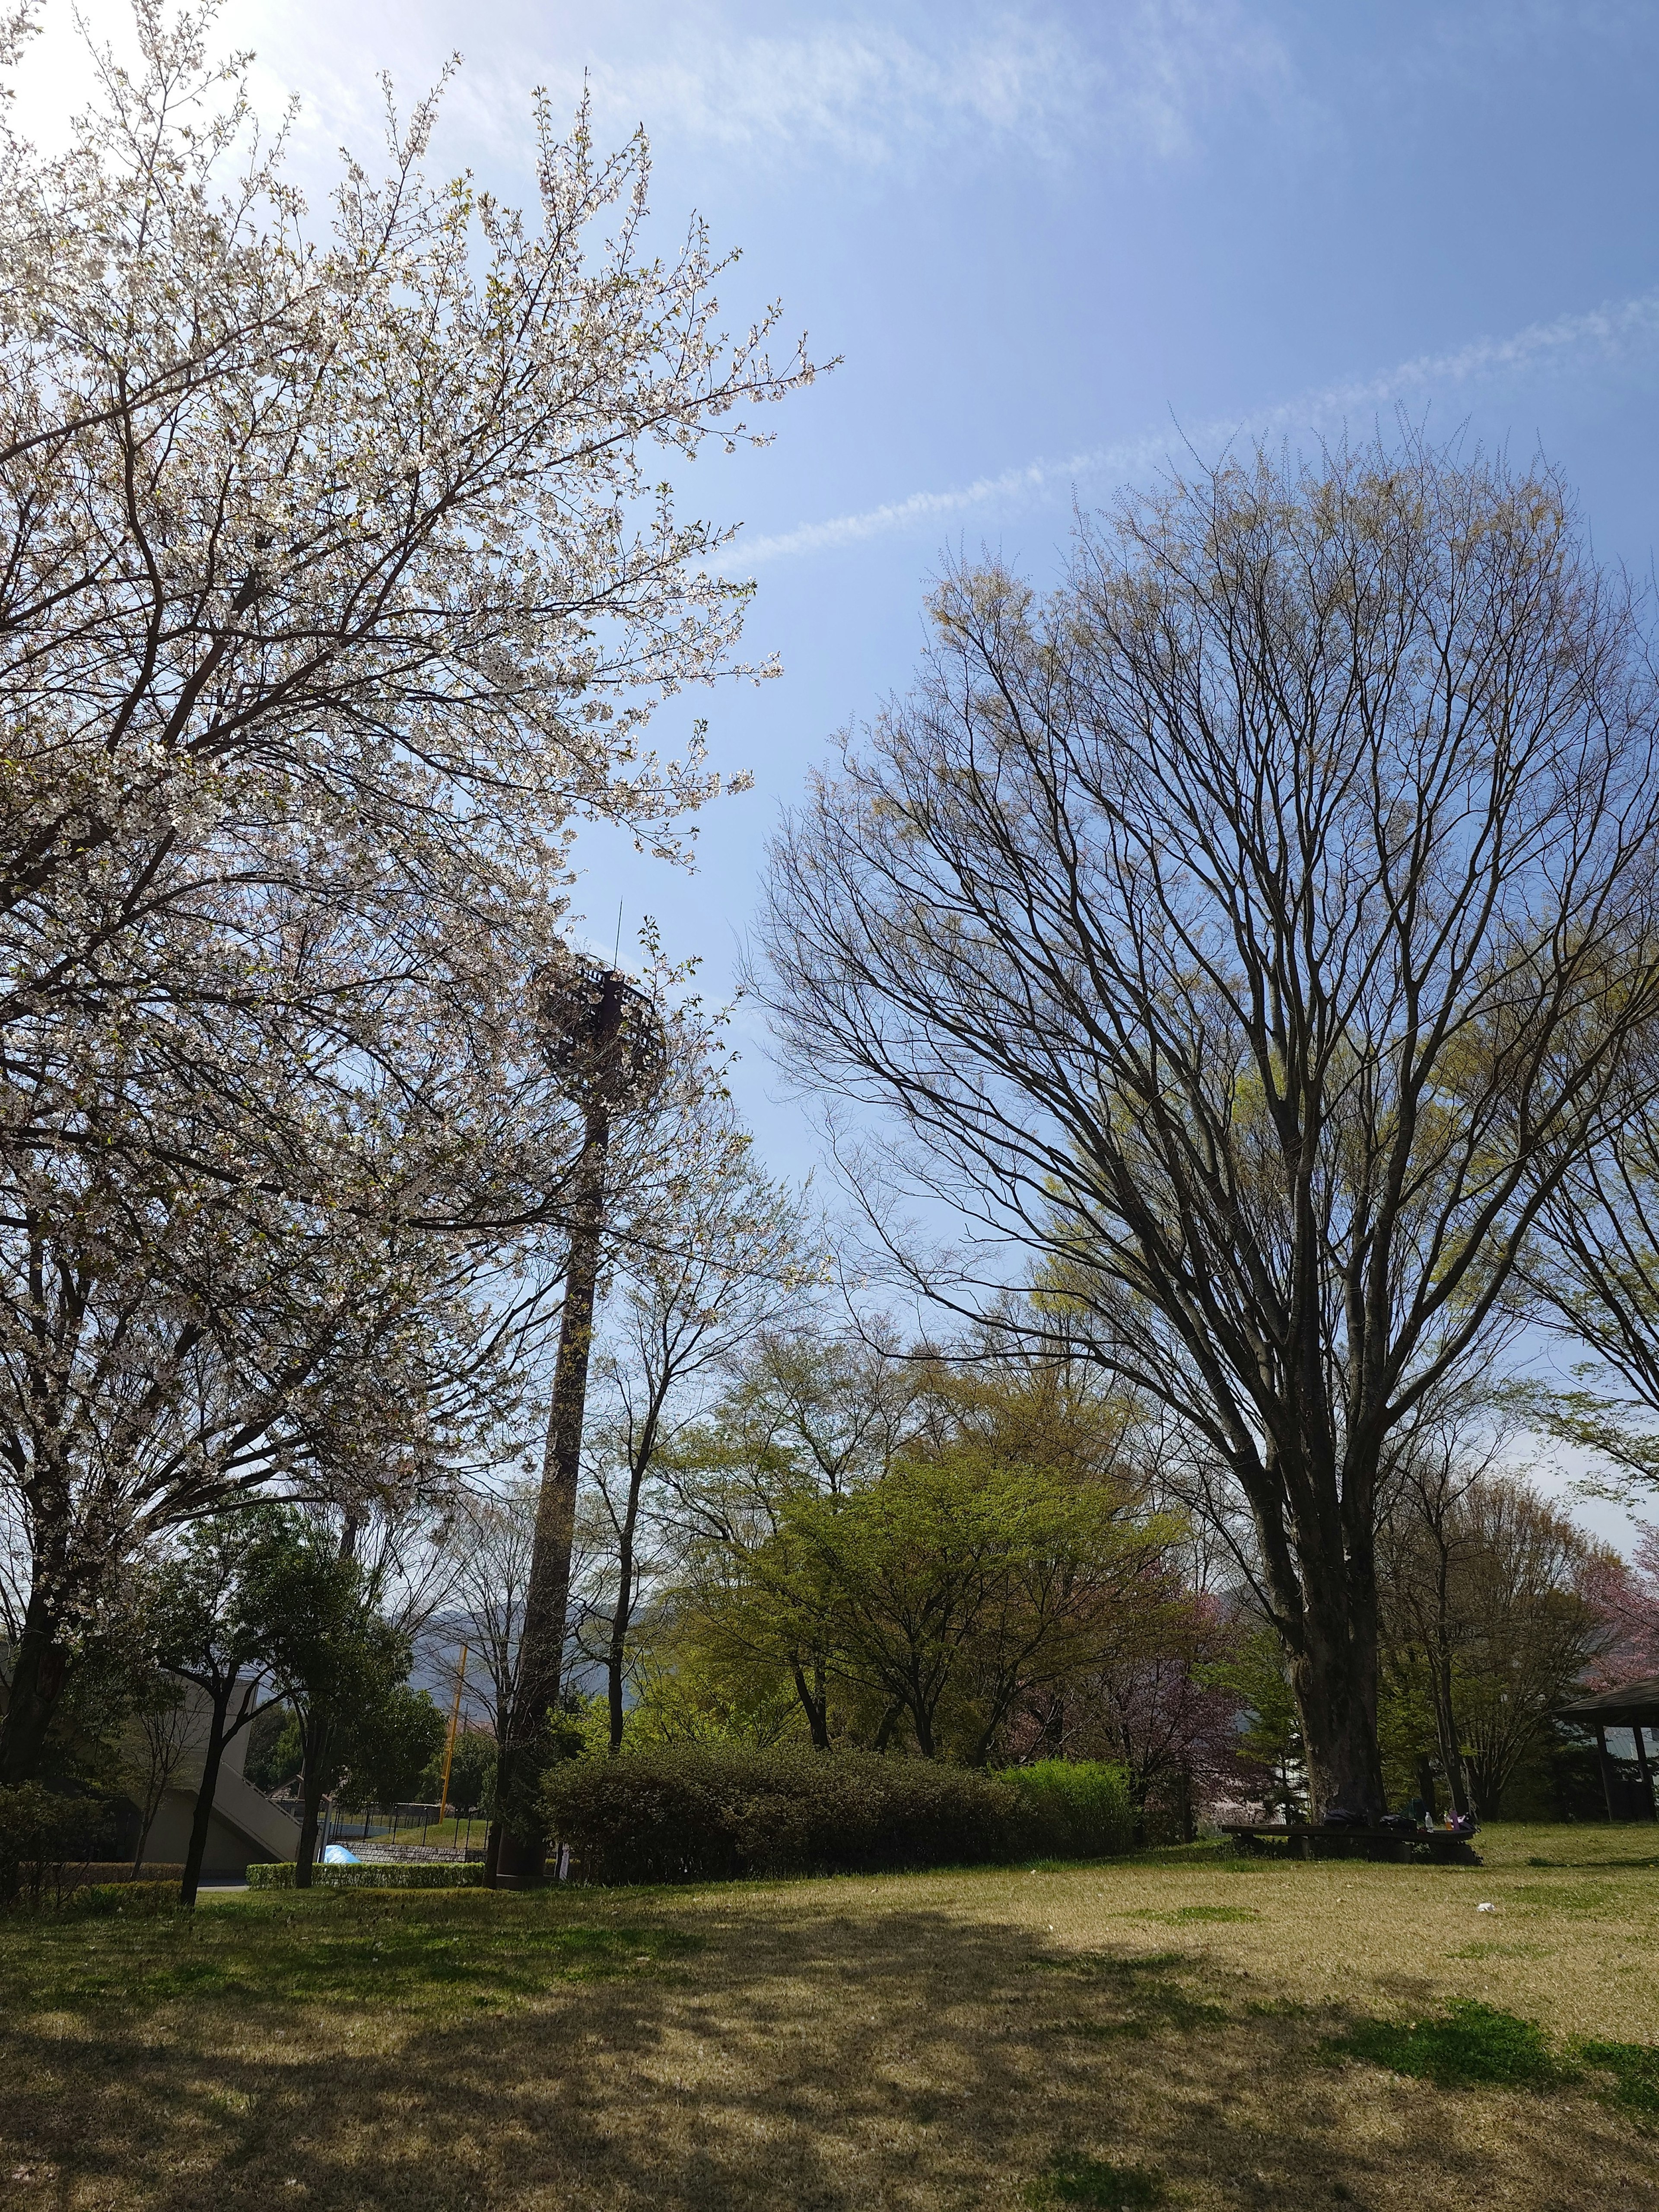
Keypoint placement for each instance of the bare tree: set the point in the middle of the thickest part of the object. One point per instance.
(158, 1738)
(1257, 934)
(1429, 1530)
(142, 1389)
(1491, 1597)
(713, 1259)
(490, 1543)
(1593, 1272)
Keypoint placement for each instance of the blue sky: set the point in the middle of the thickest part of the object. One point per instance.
(1049, 242)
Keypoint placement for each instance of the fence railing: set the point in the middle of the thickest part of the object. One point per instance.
(411, 1823)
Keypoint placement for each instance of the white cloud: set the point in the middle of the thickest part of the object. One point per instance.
(863, 85)
(867, 89)
(1624, 329)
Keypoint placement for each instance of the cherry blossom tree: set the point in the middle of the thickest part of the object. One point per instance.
(338, 582)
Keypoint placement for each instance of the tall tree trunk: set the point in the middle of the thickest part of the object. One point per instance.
(40, 1670)
(1425, 1789)
(316, 1733)
(1445, 1724)
(219, 1705)
(921, 1719)
(814, 1703)
(617, 1652)
(1334, 1674)
(522, 1853)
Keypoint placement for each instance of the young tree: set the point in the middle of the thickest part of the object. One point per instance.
(1490, 1599)
(160, 1722)
(1165, 1703)
(1257, 934)
(490, 1543)
(1593, 1271)
(805, 1415)
(205, 1634)
(389, 1745)
(710, 1264)
(331, 1656)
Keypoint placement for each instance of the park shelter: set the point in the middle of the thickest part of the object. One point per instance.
(1634, 1706)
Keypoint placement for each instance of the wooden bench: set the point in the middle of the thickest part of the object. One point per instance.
(1423, 1846)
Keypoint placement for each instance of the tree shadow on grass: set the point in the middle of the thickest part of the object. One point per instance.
(809, 2058)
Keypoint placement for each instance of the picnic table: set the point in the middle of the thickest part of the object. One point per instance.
(1426, 1846)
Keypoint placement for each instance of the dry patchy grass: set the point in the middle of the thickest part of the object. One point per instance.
(1173, 2031)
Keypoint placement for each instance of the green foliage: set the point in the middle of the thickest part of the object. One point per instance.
(904, 1553)
(1257, 1674)
(1617, 1433)
(1075, 1809)
(275, 1750)
(699, 1681)
(471, 1774)
(340, 1666)
(956, 1585)
(389, 1745)
(1182, 1915)
(719, 1811)
(197, 1599)
(1073, 2178)
(1469, 2044)
(405, 1874)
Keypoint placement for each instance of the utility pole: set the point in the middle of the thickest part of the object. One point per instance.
(604, 1041)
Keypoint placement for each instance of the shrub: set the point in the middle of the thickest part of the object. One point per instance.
(701, 1812)
(1075, 1809)
(408, 1875)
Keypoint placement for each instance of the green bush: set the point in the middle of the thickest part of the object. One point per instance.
(716, 1812)
(409, 1874)
(1074, 1808)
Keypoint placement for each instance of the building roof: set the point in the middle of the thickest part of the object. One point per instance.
(1630, 1704)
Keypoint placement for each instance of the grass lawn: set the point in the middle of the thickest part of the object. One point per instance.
(1177, 2029)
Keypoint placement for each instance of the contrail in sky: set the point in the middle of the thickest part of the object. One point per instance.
(1624, 327)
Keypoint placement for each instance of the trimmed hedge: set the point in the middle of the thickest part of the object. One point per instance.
(719, 1811)
(279, 1875)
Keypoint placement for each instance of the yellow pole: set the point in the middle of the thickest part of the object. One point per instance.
(449, 1748)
